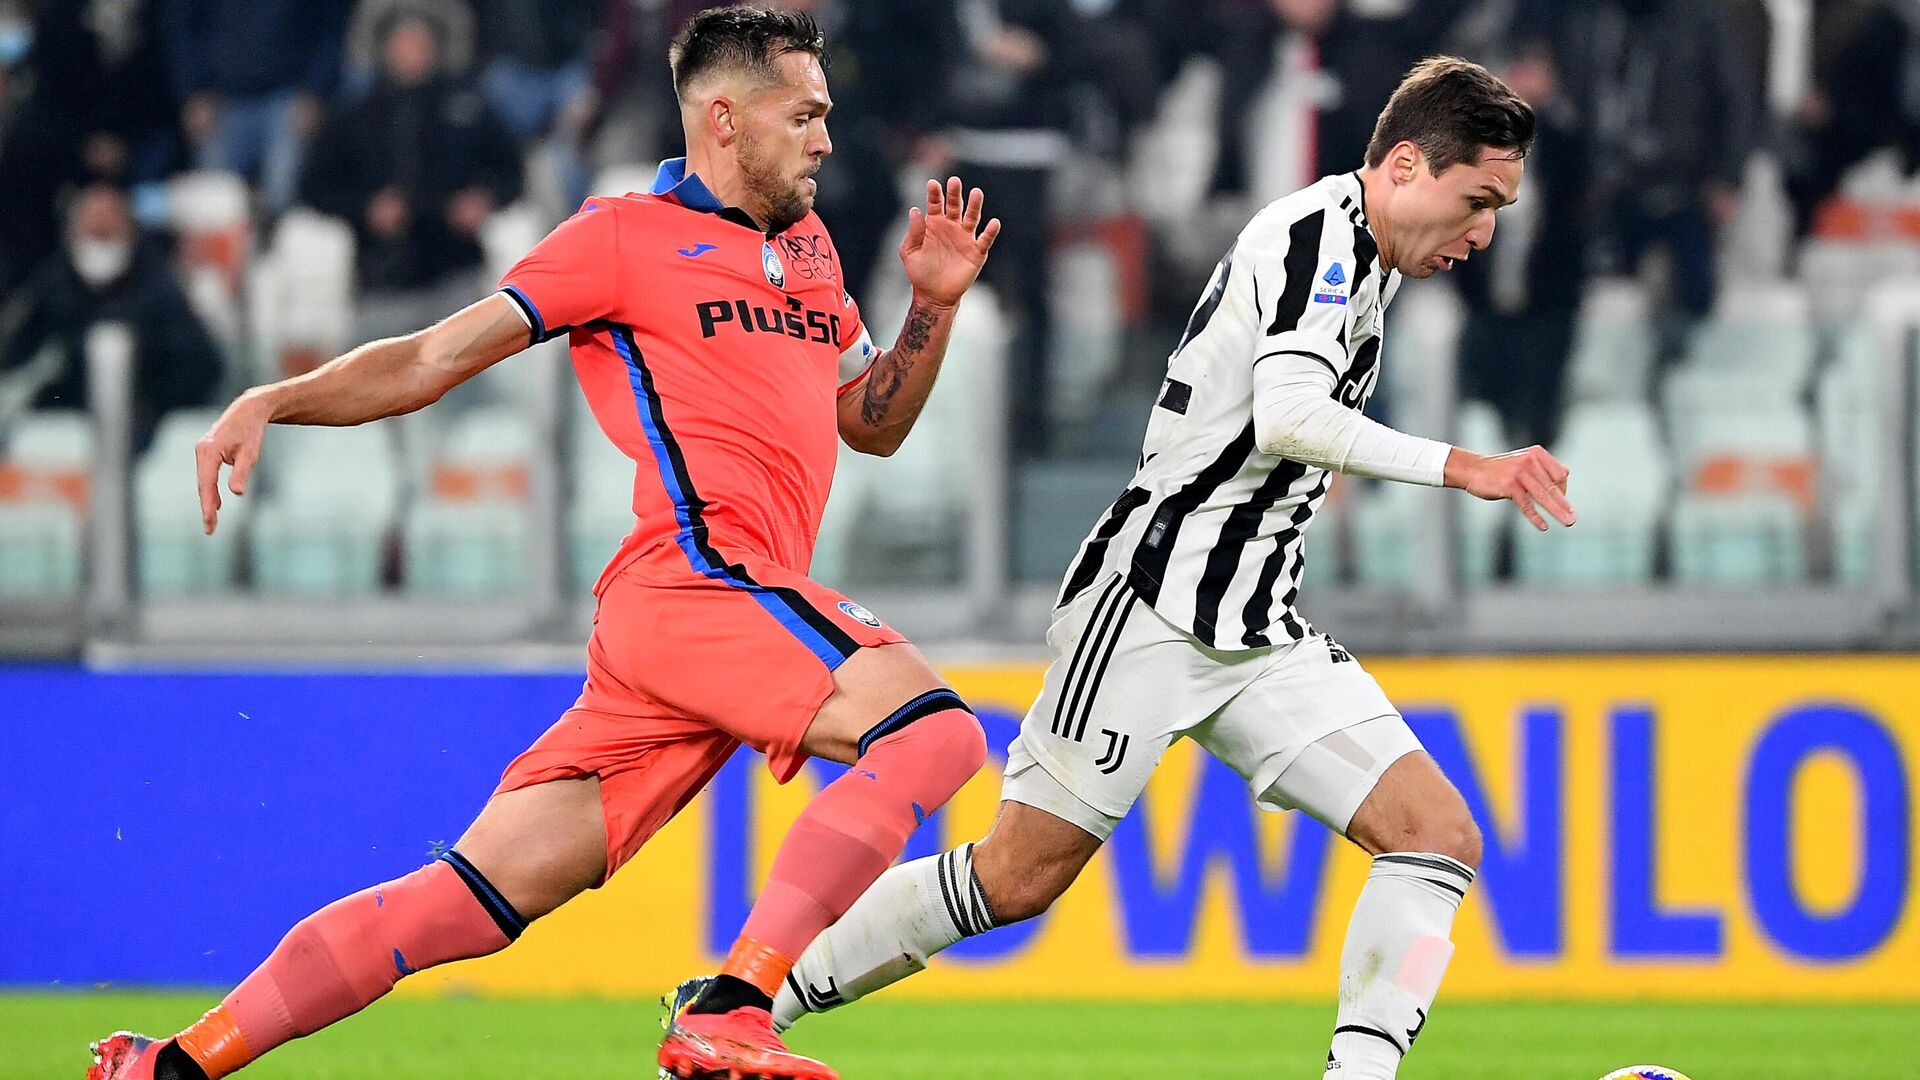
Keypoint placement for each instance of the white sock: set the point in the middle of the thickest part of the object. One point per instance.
(1390, 968)
(913, 911)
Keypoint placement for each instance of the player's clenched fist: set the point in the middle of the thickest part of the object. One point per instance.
(233, 440)
(1530, 477)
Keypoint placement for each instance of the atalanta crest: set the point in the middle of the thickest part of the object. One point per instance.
(770, 262)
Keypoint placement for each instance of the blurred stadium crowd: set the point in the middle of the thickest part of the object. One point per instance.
(254, 185)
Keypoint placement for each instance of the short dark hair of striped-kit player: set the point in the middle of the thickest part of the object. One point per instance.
(742, 37)
(1452, 109)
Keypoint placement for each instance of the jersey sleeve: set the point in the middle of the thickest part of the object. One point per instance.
(857, 351)
(1303, 287)
(572, 277)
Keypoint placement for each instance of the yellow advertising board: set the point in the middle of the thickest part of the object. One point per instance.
(1737, 828)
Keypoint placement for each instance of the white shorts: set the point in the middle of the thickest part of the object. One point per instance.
(1303, 722)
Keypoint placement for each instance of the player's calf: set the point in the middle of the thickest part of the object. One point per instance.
(544, 843)
(1425, 847)
(1028, 860)
(331, 965)
(916, 910)
(907, 766)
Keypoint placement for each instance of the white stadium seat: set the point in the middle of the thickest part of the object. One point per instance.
(600, 500)
(467, 534)
(1477, 427)
(1751, 540)
(1620, 485)
(1613, 343)
(327, 510)
(45, 461)
(172, 554)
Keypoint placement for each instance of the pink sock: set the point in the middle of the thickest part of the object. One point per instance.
(344, 957)
(854, 829)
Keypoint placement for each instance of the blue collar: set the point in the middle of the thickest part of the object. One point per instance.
(686, 188)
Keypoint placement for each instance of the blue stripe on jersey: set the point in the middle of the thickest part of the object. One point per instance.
(692, 531)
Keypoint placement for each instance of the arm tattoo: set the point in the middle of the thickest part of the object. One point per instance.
(890, 370)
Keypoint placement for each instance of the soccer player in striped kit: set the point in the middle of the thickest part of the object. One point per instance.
(1177, 616)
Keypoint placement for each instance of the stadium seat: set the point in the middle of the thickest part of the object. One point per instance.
(1846, 411)
(903, 517)
(1324, 553)
(211, 214)
(1477, 427)
(622, 179)
(43, 498)
(1713, 414)
(172, 554)
(1086, 330)
(1747, 540)
(1386, 520)
(40, 549)
(467, 533)
(509, 234)
(327, 509)
(301, 294)
(600, 499)
(1619, 487)
(1613, 343)
(1763, 333)
(1056, 504)
(1182, 130)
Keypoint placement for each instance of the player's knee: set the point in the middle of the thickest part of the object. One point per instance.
(944, 738)
(964, 739)
(1462, 841)
(1447, 830)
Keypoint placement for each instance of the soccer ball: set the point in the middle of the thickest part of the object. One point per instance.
(1645, 1072)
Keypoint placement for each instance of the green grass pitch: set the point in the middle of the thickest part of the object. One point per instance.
(44, 1037)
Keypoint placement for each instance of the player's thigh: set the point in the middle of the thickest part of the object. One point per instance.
(1122, 685)
(1028, 859)
(868, 687)
(763, 656)
(540, 845)
(1314, 733)
(582, 800)
(1414, 807)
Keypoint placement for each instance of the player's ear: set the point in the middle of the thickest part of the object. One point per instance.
(1405, 161)
(722, 119)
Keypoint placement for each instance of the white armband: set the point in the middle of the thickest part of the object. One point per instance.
(856, 359)
(1296, 417)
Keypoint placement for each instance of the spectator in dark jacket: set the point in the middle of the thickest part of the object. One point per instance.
(106, 66)
(252, 76)
(1674, 120)
(1366, 50)
(888, 81)
(1008, 113)
(1523, 293)
(535, 58)
(1865, 96)
(39, 152)
(418, 166)
(107, 274)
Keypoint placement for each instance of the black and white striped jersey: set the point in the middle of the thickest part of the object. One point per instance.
(1211, 530)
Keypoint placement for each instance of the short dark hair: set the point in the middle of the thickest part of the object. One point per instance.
(741, 36)
(1450, 108)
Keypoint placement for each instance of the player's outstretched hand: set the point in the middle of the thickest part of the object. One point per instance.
(1530, 477)
(946, 245)
(234, 440)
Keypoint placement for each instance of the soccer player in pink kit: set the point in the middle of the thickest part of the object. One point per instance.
(715, 340)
